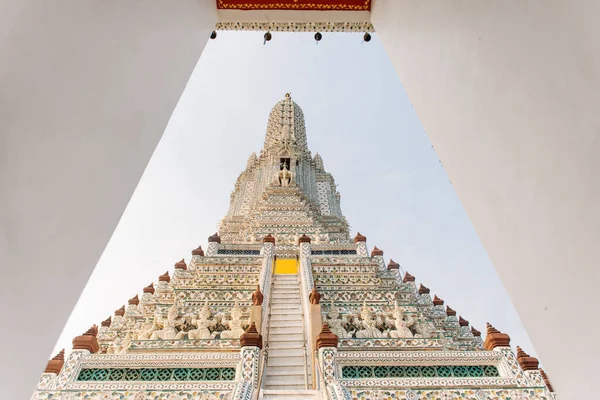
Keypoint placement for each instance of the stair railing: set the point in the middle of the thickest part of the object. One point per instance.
(321, 379)
(261, 372)
(303, 308)
(306, 282)
(265, 331)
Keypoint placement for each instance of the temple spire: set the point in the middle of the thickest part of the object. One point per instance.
(286, 130)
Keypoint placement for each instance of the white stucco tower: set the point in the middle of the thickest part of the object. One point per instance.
(285, 304)
(284, 191)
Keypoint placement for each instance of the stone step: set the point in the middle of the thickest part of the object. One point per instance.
(283, 291)
(286, 286)
(285, 322)
(279, 318)
(286, 311)
(286, 300)
(275, 353)
(285, 330)
(285, 345)
(284, 380)
(288, 306)
(284, 335)
(278, 295)
(286, 370)
(291, 337)
(295, 392)
(289, 394)
(284, 361)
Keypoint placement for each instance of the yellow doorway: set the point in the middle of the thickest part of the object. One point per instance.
(288, 266)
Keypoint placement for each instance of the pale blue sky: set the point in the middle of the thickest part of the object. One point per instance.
(394, 189)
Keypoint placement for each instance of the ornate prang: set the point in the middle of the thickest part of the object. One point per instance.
(257, 297)
(251, 337)
(546, 380)
(198, 251)
(526, 362)
(326, 338)
(181, 264)
(56, 363)
(164, 277)
(87, 341)
(170, 344)
(269, 239)
(149, 288)
(303, 239)
(214, 238)
(376, 252)
(393, 265)
(314, 297)
(495, 338)
(120, 312)
(359, 238)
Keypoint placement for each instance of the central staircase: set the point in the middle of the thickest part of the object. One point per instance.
(287, 373)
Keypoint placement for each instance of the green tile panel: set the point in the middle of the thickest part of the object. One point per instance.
(425, 371)
(156, 374)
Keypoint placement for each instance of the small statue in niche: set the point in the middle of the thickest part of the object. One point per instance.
(284, 176)
(336, 325)
(203, 323)
(169, 330)
(235, 324)
(400, 324)
(370, 323)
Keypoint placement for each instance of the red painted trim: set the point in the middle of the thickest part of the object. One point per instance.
(318, 5)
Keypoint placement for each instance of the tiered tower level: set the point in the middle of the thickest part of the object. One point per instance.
(285, 304)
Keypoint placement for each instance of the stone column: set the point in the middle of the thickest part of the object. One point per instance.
(360, 242)
(305, 265)
(327, 343)
(251, 344)
(53, 369)
(378, 255)
(213, 245)
(71, 368)
(530, 367)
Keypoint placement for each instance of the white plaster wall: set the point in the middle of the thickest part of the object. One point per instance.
(86, 90)
(508, 93)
